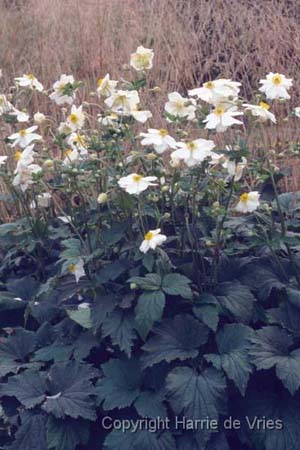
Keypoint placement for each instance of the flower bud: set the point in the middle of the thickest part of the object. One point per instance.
(133, 286)
(102, 198)
(39, 118)
(48, 164)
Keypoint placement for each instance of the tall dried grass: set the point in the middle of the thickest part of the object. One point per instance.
(193, 40)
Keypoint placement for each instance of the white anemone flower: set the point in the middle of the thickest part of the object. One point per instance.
(214, 92)
(73, 155)
(235, 169)
(76, 119)
(41, 201)
(78, 141)
(29, 80)
(142, 59)
(60, 94)
(111, 120)
(261, 111)
(123, 102)
(24, 158)
(275, 86)
(106, 86)
(77, 269)
(179, 106)
(23, 178)
(135, 184)
(152, 239)
(160, 139)
(248, 202)
(193, 152)
(20, 115)
(297, 111)
(24, 137)
(141, 116)
(221, 118)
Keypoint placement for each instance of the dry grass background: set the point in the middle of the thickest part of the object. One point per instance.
(193, 40)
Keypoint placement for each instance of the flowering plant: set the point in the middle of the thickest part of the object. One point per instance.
(149, 271)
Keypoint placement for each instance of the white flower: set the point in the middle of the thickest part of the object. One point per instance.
(3, 160)
(235, 169)
(29, 80)
(135, 184)
(249, 202)
(24, 137)
(141, 116)
(179, 106)
(142, 59)
(61, 92)
(77, 269)
(76, 119)
(160, 139)
(123, 102)
(261, 111)
(152, 239)
(24, 177)
(64, 128)
(39, 118)
(42, 201)
(106, 86)
(193, 152)
(20, 115)
(215, 92)
(297, 111)
(221, 118)
(24, 158)
(275, 86)
(72, 155)
(77, 141)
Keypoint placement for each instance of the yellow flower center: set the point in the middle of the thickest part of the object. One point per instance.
(277, 79)
(244, 197)
(17, 156)
(73, 118)
(30, 76)
(137, 178)
(163, 132)
(142, 60)
(191, 145)
(148, 236)
(22, 133)
(209, 85)
(264, 105)
(99, 82)
(68, 152)
(72, 268)
(80, 140)
(219, 111)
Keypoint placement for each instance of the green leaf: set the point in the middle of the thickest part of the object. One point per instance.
(31, 434)
(207, 310)
(70, 391)
(276, 406)
(82, 316)
(8, 302)
(103, 306)
(151, 282)
(197, 395)
(66, 434)
(233, 345)
(119, 325)
(149, 309)
(112, 271)
(29, 388)
(178, 338)
(236, 299)
(176, 284)
(140, 440)
(271, 348)
(113, 235)
(15, 349)
(150, 404)
(121, 384)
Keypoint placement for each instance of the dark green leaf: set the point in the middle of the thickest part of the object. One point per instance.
(149, 309)
(119, 325)
(66, 434)
(29, 388)
(236, 299)
(31, 435)
(176, 284)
